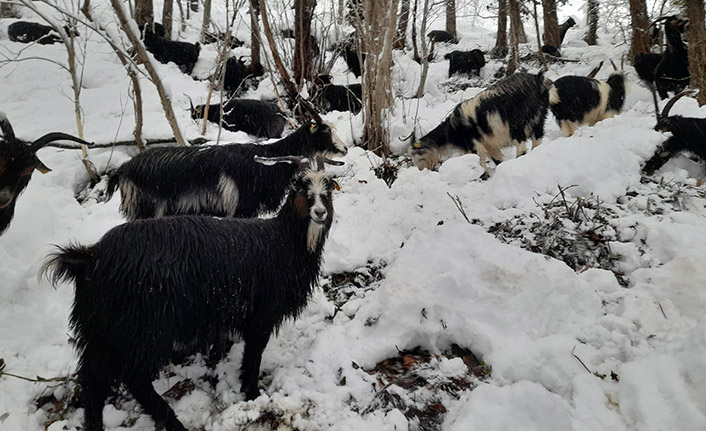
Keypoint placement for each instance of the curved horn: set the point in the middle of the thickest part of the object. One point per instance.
(301, 161)
(6, 127)
(673, 100)
(56, 136)
(306, 105)
(654, 99)
(615, 68)
(321, 160)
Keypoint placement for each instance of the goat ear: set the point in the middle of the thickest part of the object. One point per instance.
(336, 185)
(313, 127)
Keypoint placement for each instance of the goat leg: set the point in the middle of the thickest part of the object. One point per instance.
(250, 369)
(155, 406)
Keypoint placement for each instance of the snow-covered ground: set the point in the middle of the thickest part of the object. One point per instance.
(562, 348)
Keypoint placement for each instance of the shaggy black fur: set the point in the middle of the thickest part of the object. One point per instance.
(26, 32)
(579, 95)
(672, 72)
(255, 117)
(186, 180)
(350, 54)
(441, 36)
(236, 71)
(152, 288)
(339, 97)
(551, 50)
(469, 62)
(17, 162)
(645, 65)
(688, 134)
(183, 54)
(218, 37)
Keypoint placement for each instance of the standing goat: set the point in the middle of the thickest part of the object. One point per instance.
(468, 62)
(688, 134)
(17, 162)
(577, 100)
(218, 180)
(505, 114)
(151, 289)
(441, 36)
(255, 117)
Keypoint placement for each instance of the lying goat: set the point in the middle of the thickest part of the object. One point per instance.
(577, 100)
(152, 289)
(505, 114)
(183, 54)
(220, 180)
(688, 134)
(26, 32)
(468, 62)
(339, 97)
(441, 36)
(17, 162)
(255, 117)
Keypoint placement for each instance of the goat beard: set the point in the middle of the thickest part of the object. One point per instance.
(314, 234)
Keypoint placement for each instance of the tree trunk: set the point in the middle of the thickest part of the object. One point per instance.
(514, 48)
(639, 23)
(415, 55)
(551, 24)
(696, 34)
(167, 12)
(255, 62)
(425, 57)
(451, 17)
(592, 7)
(286, 79)
(206, 19)
(536, 29)
(516, 21)
(401, 38)
(144, 12)
(501, 38)
(302, 62)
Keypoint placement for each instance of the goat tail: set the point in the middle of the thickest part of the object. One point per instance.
(113, 182)
(70, 263)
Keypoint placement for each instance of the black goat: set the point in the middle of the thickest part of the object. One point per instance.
(26, 32)
(236, 73)
(218, 180)
(18, 160)
(564, 27)
(441, 36)
(218, 37)
(255, 117)
(688, 134)
(469, 62)
(350, 55)
(339, 97)
(645, 65)
(505, 114)
(672, 72)
(577, 100)
(551, 50)
(150, 289)
(183, 54)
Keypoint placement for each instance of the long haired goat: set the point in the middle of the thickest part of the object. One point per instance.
(218, 180)
(17, 162)
(672, 72)
(255, 117)
(152, 288)
(505, 114)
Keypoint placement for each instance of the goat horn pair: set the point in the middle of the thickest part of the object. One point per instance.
(320, 160)
(6, 127)
(55, 136)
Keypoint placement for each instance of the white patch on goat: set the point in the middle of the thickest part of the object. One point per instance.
(128, 194)
(431, 157)
(594, 115)
(160, 209)
(229, 194)
(554, 98)
(337, 142)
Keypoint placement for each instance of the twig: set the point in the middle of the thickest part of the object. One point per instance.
(579, 359)
(459, 205)
(662, 310)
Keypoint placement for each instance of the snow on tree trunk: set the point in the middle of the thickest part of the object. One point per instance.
(206, 19)
(401, 38)
(302, 62)
(696, 35)
(639, 23)
(592, 8)
(451, 17)
(551, 23)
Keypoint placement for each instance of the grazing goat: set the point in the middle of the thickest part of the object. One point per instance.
(26, 32)
(150, 289)
(255, 117)
(18, 160)
(469, 62)
(339, 97)
(577, 100)
(218, 180)
(183, 54)
(688, 134)
(505, 114)
(672, 72)
(441, 36)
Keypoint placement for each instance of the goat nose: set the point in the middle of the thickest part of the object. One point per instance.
(320, 212)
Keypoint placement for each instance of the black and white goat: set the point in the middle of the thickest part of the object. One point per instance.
(18, 160)
(339, 97)
(255, 117)
(220, 180)
(152, 289)
(183, 54)
(688, 134)
(441, 36)
(26, 32)
(577, 100)
(505, 114)
(468, 62)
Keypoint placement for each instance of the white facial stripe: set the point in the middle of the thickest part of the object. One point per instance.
(337, 142)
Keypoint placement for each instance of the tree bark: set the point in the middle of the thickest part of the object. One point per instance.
(289, 86)
(516, 21)
(639, 24)
(303, 14)
(451, 17)
(425, 57)
(415, 55)
(501, 38)
(536, 29)
(551, 23)
(696, 34)
(206, 19)
(255, 61)
(167, 12)
(592, 7)
(514, 48)
(401, 38)
(144, 12)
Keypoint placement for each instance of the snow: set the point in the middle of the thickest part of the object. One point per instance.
(568, 350)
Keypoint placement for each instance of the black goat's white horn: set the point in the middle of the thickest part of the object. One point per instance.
(7, 132)
(55, 136)
(302, 161)
(673, 100)
(321, 160)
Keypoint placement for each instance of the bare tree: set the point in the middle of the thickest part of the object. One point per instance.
(401, 38)
(551, 23)
(255, 62)
(696, 34)
(167, 12)
(592, 8)
(516, 21)
(425, 57)
(536, 29)
(302, 64)
(500, 49)
(639, 24)
(514, 40)
(415, 55)
(289, 86)
(451, 16)
(206, 19)
(144, 12)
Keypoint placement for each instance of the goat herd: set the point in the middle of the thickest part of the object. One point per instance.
(157, 289)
